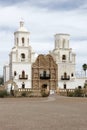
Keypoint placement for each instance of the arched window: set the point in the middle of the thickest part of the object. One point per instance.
(65, 75)
(23, 74)
(15, 73)
(23, 55)
(79, 87)
(63, 57)
(63, 43)
(22, 39)
(44, 73)
(17, 41)
(72, 75)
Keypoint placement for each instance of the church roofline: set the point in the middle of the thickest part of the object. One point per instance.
(21, 32)
(62, 34)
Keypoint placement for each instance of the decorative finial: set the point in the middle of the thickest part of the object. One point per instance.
(21, 22)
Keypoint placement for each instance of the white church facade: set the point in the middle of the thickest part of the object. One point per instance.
(66, 60)
(22, 57)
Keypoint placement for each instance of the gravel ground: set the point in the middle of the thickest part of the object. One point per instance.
(52, 113)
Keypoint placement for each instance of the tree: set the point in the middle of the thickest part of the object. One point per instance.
(84, 68)
(1, 80)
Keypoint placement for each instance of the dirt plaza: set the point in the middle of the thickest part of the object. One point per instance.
(51, 113)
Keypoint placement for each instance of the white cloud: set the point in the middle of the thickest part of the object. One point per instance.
(43, 24)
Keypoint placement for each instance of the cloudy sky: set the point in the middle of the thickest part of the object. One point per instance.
(44, 18)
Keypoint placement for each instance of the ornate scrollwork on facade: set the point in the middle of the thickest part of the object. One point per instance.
(44, 73)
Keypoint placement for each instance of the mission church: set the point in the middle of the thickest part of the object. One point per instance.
(53, 71)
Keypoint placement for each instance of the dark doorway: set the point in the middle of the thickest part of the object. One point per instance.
(64, 86)
(79, 87)
(44, 86)
(23, 85)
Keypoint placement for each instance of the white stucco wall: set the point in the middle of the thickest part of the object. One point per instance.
(80, 81)
(6, 73)
(19, 67)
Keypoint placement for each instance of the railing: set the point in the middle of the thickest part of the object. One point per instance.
(44, 76)
(24, 89)
(23, 77)
(65, 77)
(65, 90)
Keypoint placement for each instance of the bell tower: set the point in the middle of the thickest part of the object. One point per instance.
(62, 41)
(65, 59)
(21, 58)
(21, 36)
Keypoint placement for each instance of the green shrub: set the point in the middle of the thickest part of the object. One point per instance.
(3, 93)
(85, 95)
(15, 93)
(24, 94)
(44, 94)
(70, 94)
(78, 92)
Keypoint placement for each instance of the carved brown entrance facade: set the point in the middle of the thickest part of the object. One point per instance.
(44, 73)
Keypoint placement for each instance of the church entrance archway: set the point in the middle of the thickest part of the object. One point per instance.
(44, 86)
(10, 86)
